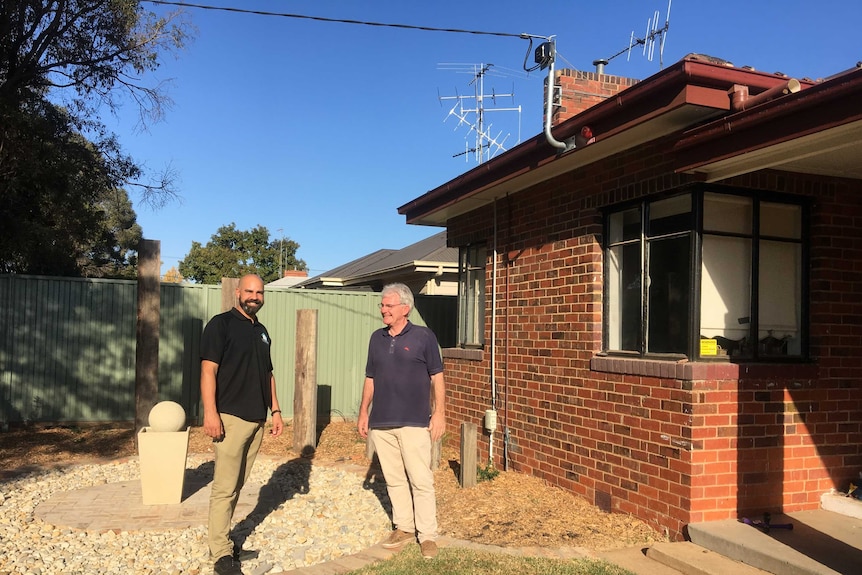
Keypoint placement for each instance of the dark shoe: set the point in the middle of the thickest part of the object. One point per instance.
(397, 539)
(241, 555)
(429, 549)
(226, 566)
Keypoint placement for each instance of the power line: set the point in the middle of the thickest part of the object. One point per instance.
(338, 20)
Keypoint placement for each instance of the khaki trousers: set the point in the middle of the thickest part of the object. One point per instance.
(405, 459)
(234, 457)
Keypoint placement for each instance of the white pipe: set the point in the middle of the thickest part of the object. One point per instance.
(493, 334)
(549, 101)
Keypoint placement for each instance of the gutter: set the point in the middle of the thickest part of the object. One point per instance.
(616, 114)
(818, 108)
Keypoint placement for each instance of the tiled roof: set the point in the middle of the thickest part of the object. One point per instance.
(431, 249)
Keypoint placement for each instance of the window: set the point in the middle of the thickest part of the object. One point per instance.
(705, 275)
(471, 296)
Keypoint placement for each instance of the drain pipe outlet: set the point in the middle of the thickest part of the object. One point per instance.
(740, 99)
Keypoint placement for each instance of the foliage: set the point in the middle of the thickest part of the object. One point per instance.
(173, 276)
(63, 176)
(112, 252)
(234, 253)
(61, 211)
(86, 54)
(459, 561)
(487, 473)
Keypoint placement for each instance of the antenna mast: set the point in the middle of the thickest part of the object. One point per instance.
(486, 144)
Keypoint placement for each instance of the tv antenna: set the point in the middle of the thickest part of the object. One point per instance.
(487, 145)
(648, 42)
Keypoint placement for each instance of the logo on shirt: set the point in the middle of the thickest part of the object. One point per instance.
(264, 338)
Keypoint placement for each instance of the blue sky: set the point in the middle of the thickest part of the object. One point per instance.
(320, 131)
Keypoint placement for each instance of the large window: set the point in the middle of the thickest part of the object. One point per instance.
(471, 296)
(705, 275)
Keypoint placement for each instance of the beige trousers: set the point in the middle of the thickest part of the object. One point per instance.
(405, 458)
(234, 457)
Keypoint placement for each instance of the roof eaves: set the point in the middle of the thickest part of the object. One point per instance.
(408, 267)
(688, 81)
(817, 109)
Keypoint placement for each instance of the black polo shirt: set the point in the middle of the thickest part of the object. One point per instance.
(241, 348)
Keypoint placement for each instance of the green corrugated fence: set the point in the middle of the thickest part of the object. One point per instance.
(67, 346)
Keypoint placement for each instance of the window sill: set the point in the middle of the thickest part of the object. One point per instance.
(691, 370)
(463, 353)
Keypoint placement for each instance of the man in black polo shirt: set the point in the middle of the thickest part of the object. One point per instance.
(237, 388)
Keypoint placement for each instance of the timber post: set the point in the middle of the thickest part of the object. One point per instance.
(228, 292)
(147, 331)
(469, 454)
(305, 383)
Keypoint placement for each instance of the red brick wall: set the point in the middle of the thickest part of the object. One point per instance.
(581, 90)
(670, 443)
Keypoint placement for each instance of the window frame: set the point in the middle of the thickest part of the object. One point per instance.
(695, 266)
(472, 260)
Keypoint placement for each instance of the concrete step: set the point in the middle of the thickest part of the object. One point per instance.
(681, 558)
(820, 543)
(827, 541)
(691, 559)
(635, 560)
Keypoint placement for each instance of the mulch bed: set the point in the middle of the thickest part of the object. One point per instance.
(512, 509)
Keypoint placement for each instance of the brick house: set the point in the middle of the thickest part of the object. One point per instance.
(667, 319)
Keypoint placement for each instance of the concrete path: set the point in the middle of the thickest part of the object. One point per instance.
(119, 506)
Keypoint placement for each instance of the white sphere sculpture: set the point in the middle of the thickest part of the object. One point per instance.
(167, 416)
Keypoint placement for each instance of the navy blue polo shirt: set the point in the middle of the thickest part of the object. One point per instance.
(401, 367)
(241, 348)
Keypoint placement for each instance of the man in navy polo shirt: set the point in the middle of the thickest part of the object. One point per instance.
(237, 389)
(404, 369)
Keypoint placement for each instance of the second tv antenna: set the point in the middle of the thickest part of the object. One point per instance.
(653, 33)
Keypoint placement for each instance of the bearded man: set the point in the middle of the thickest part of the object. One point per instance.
(237, 389)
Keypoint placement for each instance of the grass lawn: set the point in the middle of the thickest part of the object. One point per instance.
(458, 561)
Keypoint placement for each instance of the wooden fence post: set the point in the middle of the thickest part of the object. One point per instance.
(469, 454)
(436, 454)
(147, 349)
(305, 383)
(228, 292)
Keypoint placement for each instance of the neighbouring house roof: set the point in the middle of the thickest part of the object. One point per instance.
(289, 278)
(814, 130)
(413, 265)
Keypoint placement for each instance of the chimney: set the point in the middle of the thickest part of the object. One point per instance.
(580, 91)
(295, 274)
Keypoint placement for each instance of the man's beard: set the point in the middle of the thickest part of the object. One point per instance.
(251, 307)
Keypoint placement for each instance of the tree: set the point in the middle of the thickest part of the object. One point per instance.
(173, 276)
(112, 251)
(233, 253)
(64, 207)
(86, 54)
(62, 213)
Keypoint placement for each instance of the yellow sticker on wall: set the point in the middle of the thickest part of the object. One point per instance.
(708, 347)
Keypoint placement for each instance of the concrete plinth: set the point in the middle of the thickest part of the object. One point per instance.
(841, 504)
(163, 465)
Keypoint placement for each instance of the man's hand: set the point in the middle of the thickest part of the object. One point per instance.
(213, 426)
(277, 424)
(437, 426)
(362, 425)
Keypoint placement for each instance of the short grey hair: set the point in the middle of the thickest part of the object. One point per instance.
(403, 292)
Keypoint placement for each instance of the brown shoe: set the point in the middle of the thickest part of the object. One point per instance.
(397, 539)
(429, 549)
